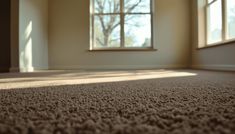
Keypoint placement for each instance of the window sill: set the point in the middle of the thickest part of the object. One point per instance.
(228, 42)
(123, 50)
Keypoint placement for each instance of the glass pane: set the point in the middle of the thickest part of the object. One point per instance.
(137, 30)
(137, 6)
(107, 6)
(231, 19)
(107, 31)
(215, 22)
(209, 1)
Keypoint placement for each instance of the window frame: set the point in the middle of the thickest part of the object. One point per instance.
(122, 14)
(224, 34)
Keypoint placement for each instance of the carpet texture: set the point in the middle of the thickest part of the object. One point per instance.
(202, 104)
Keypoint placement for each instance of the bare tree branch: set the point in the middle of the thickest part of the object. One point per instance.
(109, 25)
(133, 6)
(98, 39)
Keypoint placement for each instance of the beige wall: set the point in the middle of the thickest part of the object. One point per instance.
(69, 38)
(218, 58)
(33, 34)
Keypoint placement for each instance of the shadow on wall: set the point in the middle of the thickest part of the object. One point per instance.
(4, 36)
(26, 52)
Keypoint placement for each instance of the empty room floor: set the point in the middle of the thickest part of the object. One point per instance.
(118, 102)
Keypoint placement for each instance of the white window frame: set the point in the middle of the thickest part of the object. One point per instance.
(224, 23)
(122, 23)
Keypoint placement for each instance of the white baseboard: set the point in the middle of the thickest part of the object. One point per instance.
(215, 67)
(27, 69)
(117, 67)
(32, 69)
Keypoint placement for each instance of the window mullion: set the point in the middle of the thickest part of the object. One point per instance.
(151, 15)
(93, 25)
(122, 22)
(207, 20)
(224, 19)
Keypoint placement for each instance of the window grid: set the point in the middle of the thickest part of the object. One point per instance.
(224, 37)
(122, 15)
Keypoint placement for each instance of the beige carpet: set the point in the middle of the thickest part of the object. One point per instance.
(118, 102)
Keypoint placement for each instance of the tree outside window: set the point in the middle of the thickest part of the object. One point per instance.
(121, 24)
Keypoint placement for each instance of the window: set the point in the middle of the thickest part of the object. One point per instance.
(230, 19)
(214, 21)
(220, 21)
(121, 24)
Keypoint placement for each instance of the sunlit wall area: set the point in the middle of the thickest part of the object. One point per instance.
(33, 35)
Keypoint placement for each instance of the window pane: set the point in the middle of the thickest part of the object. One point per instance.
(107, 6)
(107, 31)
(231, 19)
(209, 1)
(137, 6)
(137, 31)
(215, 22)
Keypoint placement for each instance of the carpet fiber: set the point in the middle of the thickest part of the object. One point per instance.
(200, 104)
